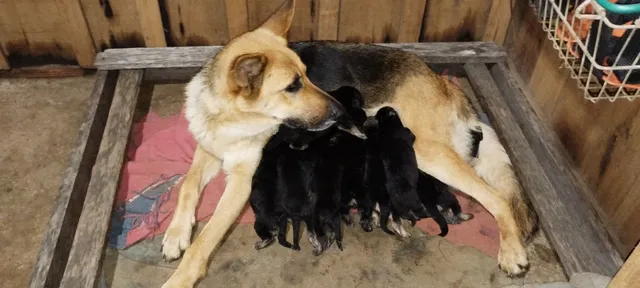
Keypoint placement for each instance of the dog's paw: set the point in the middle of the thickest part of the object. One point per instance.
(177, 238)
(513, 260)
(263, 243)
(295, 248)
(450, 217)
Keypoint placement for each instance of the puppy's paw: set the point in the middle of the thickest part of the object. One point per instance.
(465, 216)
(512, 259)
(347, 220)
(263, 243)
(450, 217)
(295, 247)
(397, 227)
(367, 225)
(316, 243)
(177, 238)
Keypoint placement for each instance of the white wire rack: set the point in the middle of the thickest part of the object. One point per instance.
(601, 49)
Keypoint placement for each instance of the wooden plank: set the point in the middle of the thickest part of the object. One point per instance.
(88, 243)
(397, 21)
(356, 21)
(197, 22)
(48, 32)
(4, 64)
(182, 57)
(498, 21)
(409, 22)
(57, 241)
(578, 234)
(237, 17)
(302, 26)
(150, 23)
(524, 38)
(327, 14)
(123, 24)
(462, 20)
(629, 274)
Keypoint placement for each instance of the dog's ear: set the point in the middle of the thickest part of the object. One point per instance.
(246, 73)
(280, 21)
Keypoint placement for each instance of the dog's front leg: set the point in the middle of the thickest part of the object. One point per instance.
(178, 236)
(236, 194)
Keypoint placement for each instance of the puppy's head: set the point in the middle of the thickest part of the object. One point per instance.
(387, 117)
(257, 73)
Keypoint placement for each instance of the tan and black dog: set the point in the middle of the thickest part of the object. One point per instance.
(236, 102)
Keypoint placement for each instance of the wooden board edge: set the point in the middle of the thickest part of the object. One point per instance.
(4, 63)
(56, 243)
(83, 265)
(503, 73)
(143, 58)
(629, 274)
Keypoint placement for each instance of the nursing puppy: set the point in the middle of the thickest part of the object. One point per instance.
(300, 178)
(256, 82)
(433, 191)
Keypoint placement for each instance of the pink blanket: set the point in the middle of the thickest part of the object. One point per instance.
(160, 154)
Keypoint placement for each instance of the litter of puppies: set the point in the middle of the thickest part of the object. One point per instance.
(317, 177)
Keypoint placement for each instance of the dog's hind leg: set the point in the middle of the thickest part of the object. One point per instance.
(385, 213)
(296, 234)
(441, 162)
(178, 236)
(264, 231)
(282, 233)
(338, 230)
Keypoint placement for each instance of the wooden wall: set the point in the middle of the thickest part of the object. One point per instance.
(599, 137)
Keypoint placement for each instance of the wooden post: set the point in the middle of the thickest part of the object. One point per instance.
(151, 23)
(88, 244)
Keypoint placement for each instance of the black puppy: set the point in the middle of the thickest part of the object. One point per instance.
(432, 190)
(305, 168)
(395, 143)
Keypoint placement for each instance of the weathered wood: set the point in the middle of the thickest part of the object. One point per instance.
(4, 64)
(57, 241)
(88, 244)
(629, 274)
(237, 17)
(198, 23)
(327, 13)
(356, 21)
(578, 235)
(150, 23)
(184, 57)
(498, 21)
(170, 75)
(462, 20)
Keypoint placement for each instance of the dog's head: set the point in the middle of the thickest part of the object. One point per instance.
(257, 73)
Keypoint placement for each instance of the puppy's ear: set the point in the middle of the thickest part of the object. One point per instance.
(246, 73)
(280, 21)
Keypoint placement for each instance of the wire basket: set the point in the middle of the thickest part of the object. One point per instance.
(601, 47)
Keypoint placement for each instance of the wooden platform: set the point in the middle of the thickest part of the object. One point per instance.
(74, 243)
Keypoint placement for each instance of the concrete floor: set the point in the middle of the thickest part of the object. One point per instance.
(39, 119)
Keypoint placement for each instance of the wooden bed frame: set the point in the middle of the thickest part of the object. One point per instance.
(73, 246)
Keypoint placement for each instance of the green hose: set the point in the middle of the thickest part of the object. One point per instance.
(618, 8)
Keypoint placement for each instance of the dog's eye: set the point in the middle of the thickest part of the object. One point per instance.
(294, 86)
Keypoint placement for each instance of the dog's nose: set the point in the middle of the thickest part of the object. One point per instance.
(336, 110)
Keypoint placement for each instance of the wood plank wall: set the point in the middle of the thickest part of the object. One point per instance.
(599, 137)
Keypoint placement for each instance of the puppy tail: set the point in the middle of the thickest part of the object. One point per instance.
(494, 166)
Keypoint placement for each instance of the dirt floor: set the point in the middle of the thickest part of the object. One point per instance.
(39, 119)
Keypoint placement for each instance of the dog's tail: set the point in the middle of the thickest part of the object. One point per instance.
(494, 166)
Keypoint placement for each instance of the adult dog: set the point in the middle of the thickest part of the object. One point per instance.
(256, 82)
